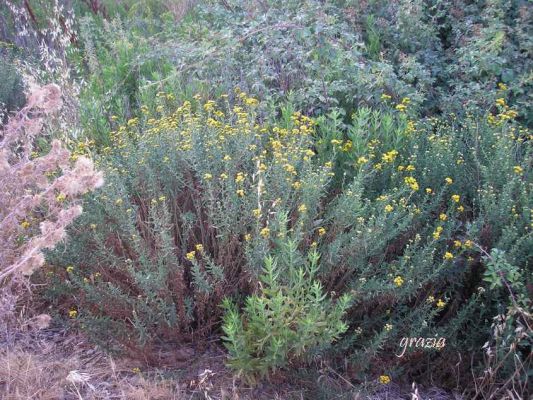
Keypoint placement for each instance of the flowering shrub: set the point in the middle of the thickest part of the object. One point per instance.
(200, 193)
(188, 213)
(391, 138)
(40, 195)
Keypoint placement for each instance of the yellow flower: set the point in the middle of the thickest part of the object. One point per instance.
(297, 185)
(502, 86)
(388, 327)
(411, 182)
(384, 379)
(72, 313)
(456, 198)
(162, 198)
(398, 281)
(385, 97)
(401, 107)
(389, 208)
(302, 208)
(61, 197)
(440, 303)
(500, 102)
(457, 243)
(390, 156)
(430, 299)
(469, 244)
(460, 208)
(410, 168)
(448, 256)
(429, 190)
(256, 212)
(449, 180)
(208, 177)
(70, 268)
(223, 176)
(251, 102)
(443, 217)
(290, 169)
(136, 370)
(362, 160)
(118, 202)
(25, 224)
(191, 255)
(437, 232)
(347, 146)
(265, 232)
(518, 169)
(239, 178)
(247, 237)
(227, 158)
(240, 193)
(199, 247)
(321, 231)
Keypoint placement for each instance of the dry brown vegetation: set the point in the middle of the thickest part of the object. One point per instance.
(51, 364)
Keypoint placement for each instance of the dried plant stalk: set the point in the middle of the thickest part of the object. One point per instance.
(40, 197)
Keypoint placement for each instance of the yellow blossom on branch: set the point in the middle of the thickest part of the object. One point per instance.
(398, 281)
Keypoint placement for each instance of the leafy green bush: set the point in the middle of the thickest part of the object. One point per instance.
(11, 87)
(290, 317)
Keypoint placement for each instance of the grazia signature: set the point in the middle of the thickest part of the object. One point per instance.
(421, 343)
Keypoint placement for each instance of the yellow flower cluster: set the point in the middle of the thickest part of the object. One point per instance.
(390, 156)
(411, 182)
(505, 113)
(402, 107)
(398, 281)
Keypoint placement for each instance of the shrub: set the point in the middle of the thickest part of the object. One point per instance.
(188, 212)
(413, 169)
(11, 88)
(289, 318)
(200, 193)
(419, 204)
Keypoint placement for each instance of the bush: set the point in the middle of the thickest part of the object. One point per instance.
(185, 219)
(200, 193)
(411, 180)
(290, 317)
(11, 88)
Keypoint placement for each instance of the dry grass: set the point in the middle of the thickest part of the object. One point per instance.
(50, 364)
